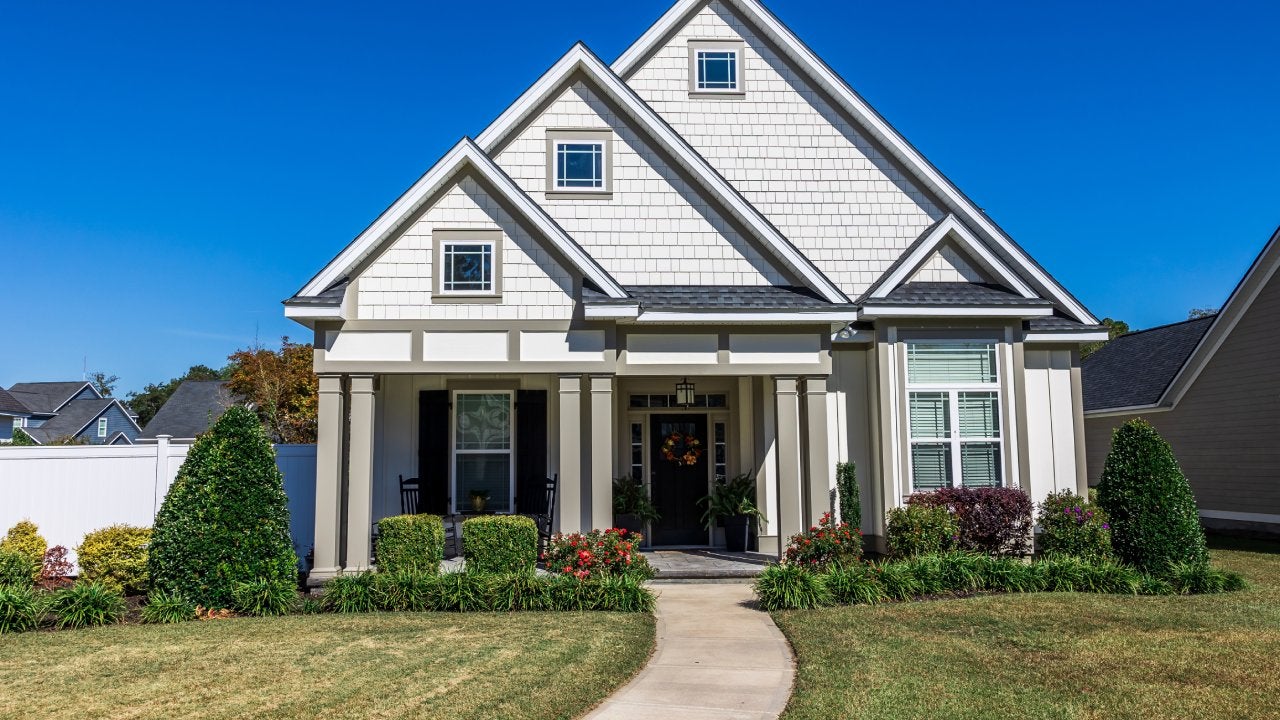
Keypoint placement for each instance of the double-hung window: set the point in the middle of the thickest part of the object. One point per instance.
(953, 393)
(482, 449)
(102, 427)
(468, 267)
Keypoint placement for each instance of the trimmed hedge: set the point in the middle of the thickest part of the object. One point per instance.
(992, 520)
(920, 530)
(791, 587)
(225, 520)
(502, 544)
(116, 556)
(483, 592)
(410, 543)
(1154, 521)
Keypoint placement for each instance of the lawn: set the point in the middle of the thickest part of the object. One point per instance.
(379, 665)
(1049, 655)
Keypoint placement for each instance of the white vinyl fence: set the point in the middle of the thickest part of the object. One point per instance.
(70, 490)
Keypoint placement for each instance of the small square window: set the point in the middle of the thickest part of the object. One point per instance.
(102, 427)
(717, 69)
(468, 267)
(579, 165)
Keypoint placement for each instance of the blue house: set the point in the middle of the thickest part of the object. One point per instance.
(51, 412)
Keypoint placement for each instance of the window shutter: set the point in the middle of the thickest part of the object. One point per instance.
(531, 449)
(433, 451)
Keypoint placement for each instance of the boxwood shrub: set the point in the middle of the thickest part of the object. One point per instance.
(410, 543)
(920, 530)
(116, 556)
(505, 544)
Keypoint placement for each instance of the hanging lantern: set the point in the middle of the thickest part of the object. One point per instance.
(684, 393)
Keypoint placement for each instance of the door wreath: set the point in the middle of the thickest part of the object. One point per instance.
(682, 449)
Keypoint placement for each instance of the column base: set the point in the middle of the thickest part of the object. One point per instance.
(320, 576)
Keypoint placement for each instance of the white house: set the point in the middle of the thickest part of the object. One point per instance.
(715, 208)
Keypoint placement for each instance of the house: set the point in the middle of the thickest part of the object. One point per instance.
(1211, 387)
(13, 414)
(56, 411)
(192, 409)
(710, 257)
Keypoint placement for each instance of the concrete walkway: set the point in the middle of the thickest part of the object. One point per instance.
(706, 564)
(716, 658)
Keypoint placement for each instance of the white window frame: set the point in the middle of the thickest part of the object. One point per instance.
(735, 48)
(558, 181)
(559, 137)
(454, 452)
(491, 281)
(955, 443)
(444, 238)
(102, 427)
(19, 423)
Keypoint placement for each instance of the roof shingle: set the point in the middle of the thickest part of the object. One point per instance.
(1135, 369)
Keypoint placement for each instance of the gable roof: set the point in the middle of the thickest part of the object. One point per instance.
(74, 417)
(192, 408)
(44, 398)
(10, 405)
(879, 129)
(464, 155)
(1134, 370)
(581, 59)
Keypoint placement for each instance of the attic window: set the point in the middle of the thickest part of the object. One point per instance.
(102, 427)
(580, 163)
(716, 68)
(470, 265)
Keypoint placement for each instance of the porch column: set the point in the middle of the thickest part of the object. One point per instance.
(328, 478)
(820, 466)
(602, 439)
(790, 476)
(360, 475)
(570, 489)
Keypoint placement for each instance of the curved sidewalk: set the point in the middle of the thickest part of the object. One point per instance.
(716, 658)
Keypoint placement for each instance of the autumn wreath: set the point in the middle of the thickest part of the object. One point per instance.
(682, 449)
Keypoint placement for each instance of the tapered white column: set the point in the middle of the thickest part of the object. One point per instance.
(328, 478)
(569, 497)
(821, 468)
(790, 473)
(360, 476)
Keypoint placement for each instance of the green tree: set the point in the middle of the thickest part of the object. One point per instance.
(105, 384)
(1154, 521)
(1115, 328)
(21, 438)
(151, 398)
(1197, 313)
(225, 520)
(848, 494)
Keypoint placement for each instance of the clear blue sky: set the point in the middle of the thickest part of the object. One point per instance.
(169, 172)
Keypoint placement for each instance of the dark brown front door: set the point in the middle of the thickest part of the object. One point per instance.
(677, 486)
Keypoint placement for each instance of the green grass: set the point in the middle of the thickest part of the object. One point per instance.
(1049, 655)
(379, 665)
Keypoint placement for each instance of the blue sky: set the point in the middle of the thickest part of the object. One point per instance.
(169, 172)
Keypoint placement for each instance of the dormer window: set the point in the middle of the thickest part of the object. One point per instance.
(579, 163)
(470, 265)
(716, 68)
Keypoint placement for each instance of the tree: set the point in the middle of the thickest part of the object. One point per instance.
(225, 520)
(152, 397)
(105, 384)
(1154, 521)
(1115, 328)
(21, 438)
(282, 386)
(1197, 313)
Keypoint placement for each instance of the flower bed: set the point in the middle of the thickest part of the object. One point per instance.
(597, 553)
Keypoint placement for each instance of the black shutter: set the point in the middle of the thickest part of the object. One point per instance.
(531, 450)
(433, 451)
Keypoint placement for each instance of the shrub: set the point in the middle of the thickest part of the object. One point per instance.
(16, 569)
(116, 556)
(1154, 521)
(825, 544)
(500, 544)
(87, 604)
(20, 609)
(791, 587)
(855, 585)
(225, 520)
(354, 593)
(166, 607)
(263, 597)
(1074, 526)
(612, 552)
(991, 520)
(55, 571)
(410, 543)
(25, 538)
(848, 494)
(919, 530)
(466, 591)
(1011, 575)
(1190, 578)
(619, 593)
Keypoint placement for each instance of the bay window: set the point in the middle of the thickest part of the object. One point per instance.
(953, 398)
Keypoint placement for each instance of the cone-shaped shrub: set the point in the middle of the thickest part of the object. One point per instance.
(225, 520)
(1154, 523)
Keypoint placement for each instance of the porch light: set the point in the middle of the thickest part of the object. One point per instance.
(684, 393)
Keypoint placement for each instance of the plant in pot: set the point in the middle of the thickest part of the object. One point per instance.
(632, 508)
(478, 499)
(732, 502)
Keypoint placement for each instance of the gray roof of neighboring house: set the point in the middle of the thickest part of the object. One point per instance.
(954, 293)
(10, 405)
(192, 408)
(1136, 369)
(45, 397)
(715, 297)
(71, 419)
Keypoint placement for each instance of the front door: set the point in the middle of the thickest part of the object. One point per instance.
(678, 477)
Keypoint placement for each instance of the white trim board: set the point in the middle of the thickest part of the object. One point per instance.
(950, 227)
(872, 310)
(581, 59)
(870, 121)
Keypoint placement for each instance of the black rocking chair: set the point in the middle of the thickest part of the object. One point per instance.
(409, 496)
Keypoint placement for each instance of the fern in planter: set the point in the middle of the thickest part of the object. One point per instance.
(732, 502)
(632, 508)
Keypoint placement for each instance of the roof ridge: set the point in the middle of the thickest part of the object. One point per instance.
(1168, 325)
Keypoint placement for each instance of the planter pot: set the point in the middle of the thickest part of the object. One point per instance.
(736, 530)
(631, 523)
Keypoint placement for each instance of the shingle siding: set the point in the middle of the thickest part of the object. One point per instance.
(790, 153)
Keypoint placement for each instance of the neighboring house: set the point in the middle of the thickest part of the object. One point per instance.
(1211, 386)
(713, 239)
(76, 409)
(192, 408)
(13, 414)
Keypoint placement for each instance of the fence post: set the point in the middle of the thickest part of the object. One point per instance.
(162, 472)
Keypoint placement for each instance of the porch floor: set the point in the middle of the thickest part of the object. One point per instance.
(705, 564)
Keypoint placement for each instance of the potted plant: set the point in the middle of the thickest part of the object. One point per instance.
(478, 499)
(632, 508)
(732, 503)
